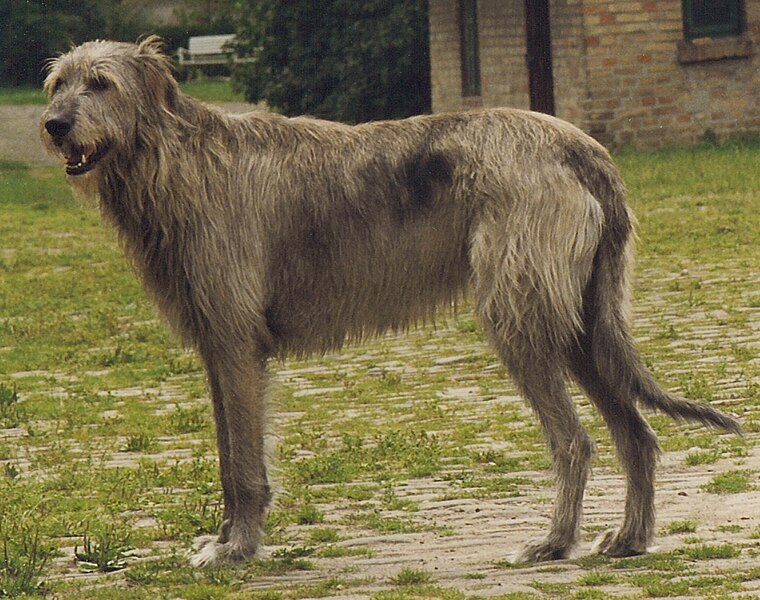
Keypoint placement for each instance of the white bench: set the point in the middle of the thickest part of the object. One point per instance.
(208, 50)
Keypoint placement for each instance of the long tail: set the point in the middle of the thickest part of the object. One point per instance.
(607, 342)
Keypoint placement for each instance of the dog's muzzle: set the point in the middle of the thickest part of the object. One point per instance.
(79, 160)
(58, 128)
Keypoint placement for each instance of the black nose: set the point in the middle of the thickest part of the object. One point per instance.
(58, 128)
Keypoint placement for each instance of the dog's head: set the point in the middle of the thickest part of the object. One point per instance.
(102, 95)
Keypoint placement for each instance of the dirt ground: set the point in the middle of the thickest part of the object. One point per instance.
(19, 137)
(488, 532)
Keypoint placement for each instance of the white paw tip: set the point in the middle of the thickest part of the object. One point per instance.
(207, 556)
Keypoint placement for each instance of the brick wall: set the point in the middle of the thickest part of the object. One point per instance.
(621, 69)
(639, 91)
(568, 60)
(503, 72)
(445, 61)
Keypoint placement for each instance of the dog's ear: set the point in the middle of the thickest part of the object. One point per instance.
(152, 44)
(159, 70)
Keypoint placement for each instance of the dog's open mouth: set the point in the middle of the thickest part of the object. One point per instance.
(79, 162)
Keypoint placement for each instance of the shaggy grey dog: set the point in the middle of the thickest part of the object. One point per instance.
(261, 236)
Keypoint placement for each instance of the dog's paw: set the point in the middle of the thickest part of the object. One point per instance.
(617, 545)
(208, 554)
(212, 553)
(542, 550)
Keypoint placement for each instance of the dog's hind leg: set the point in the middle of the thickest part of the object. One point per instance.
(240, 409)
(538, 371)
(531, 259)
(637, 451)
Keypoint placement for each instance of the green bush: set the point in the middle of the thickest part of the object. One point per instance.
(346, 60)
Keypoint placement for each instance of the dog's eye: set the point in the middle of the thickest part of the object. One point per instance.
(98, 84)
(55, 86)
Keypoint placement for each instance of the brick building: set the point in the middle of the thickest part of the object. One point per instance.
(630, 73)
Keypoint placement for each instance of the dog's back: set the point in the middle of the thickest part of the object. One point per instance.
(378, 225)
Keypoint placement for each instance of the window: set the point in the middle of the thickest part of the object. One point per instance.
(712, 18)
(468, 20)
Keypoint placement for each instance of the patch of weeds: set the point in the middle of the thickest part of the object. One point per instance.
(693, 539)
(412, 453)
(11, 413)
(328, 587)
(593, 561)
(709, 551)
(309, 515)
(11, 471)
(293, 553)
(188, 420)
(104, 550)
(283, 561)
(356, 493)
(554, 590)
(506, 563)
(657, 585)
(597, 578)
(199, 513)
(498, 462)
(421, 592)
(139, 443)
(702, 457)
(341, 551)
(680, 441)
(117, 356)
(173, 571)
(475, 576)
(696, 387)
(755, 533)
(324, 535)
(408, 576)
(24, 559)
(376, 521)
(392, 502)
(489, 487)
(656, 561)
(666, 331)
(676, 527)
(325, 468)
(265, 595)
(730, 482)
(736, 447)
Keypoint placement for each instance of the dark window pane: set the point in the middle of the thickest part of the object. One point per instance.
(704, 18)
(714, 12)
(470, 51)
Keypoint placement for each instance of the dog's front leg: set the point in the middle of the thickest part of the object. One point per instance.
(240, 407)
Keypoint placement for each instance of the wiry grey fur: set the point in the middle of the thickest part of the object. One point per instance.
(260, 236)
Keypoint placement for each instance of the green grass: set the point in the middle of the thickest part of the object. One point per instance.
(21, 95)
(208, 90)
(676, 527)
(108, 448)
(702, 457)
(735, 481)
(212, 90)
(409, 576)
